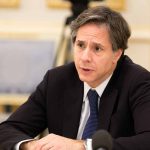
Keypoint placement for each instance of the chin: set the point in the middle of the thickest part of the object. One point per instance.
(85, 79)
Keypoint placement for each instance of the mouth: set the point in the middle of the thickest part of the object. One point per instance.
(86, 69)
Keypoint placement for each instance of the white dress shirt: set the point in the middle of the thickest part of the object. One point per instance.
(85, 113)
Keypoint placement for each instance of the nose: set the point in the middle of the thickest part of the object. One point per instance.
(86, 55)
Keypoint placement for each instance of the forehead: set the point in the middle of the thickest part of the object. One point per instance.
(92, 31)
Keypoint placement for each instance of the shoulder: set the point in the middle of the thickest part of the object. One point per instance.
(129, 74)
(129, 68)
(63, 71)
(62, 74)
(133, 69)
(134, 75)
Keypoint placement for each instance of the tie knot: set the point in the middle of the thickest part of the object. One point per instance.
(92, 96)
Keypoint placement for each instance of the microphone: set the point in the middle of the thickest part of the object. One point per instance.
(102, 140)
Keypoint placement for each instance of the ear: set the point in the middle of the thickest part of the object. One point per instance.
(117, 55)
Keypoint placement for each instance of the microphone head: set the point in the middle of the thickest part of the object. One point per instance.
(102, 139)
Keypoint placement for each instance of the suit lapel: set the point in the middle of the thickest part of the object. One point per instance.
(106, 107)
(109, 97)
(72, 110)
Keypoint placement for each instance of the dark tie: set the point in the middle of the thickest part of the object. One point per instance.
(92, 122)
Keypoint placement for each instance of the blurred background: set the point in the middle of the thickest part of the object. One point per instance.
(35, 37)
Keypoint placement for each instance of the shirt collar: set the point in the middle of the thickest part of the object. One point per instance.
(99, 89)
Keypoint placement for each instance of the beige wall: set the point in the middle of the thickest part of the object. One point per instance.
(137, 13)
(34, 20)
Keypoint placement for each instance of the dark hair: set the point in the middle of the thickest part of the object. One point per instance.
(118, 28)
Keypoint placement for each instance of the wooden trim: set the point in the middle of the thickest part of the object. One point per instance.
(59, 4)
(62, 4)
(13, 99)
(9, 3)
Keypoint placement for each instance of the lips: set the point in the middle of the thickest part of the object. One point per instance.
(86, 69)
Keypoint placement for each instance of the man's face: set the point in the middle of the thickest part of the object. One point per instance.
(93, 55)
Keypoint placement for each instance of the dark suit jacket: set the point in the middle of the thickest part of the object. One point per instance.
(57, 101)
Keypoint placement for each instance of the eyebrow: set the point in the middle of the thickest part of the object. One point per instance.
(98, 44)
(79, 41)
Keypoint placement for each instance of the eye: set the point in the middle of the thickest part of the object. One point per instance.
(97, 48)
(80, 45)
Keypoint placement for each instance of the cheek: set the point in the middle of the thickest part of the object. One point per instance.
(76, 55)
(104, 63)
(76, 59)
(104, 59)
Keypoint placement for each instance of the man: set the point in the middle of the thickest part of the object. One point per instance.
(61, 102)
